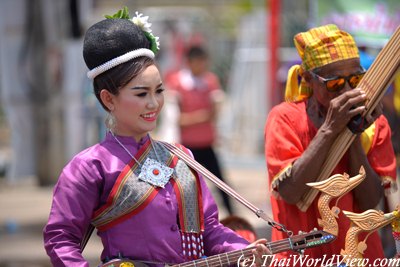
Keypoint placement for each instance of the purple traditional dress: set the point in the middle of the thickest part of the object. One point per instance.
(160, 224)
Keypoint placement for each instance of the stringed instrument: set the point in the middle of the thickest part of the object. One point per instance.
(295, 243)
(375, 82)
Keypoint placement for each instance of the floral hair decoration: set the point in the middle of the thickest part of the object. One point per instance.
(140, 21)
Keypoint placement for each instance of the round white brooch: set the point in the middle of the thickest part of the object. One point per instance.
(155, 173)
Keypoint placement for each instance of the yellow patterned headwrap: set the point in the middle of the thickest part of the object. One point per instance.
(317, 47)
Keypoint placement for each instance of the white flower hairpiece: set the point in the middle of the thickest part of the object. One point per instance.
(142, 22)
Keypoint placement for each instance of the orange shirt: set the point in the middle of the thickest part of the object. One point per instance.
(288, 133)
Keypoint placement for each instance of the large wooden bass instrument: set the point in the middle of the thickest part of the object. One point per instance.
(375, 82)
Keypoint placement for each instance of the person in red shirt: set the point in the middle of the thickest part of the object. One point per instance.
(300, 132)
(198, 93)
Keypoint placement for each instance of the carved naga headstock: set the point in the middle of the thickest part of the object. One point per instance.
(334, 188)
(368, 221)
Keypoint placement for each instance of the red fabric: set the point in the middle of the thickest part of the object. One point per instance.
(288, 133)
(193, 97)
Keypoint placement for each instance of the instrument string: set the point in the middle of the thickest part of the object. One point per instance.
(385, 65)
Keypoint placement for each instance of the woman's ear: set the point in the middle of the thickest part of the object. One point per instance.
(108, 99)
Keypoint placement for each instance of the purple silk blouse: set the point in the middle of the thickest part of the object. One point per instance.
(152, 235)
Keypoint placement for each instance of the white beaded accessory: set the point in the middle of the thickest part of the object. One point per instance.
(119, 60)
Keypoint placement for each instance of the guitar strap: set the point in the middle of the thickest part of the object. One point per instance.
(224, 187)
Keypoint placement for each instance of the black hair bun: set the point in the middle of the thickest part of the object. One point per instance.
(111, 38)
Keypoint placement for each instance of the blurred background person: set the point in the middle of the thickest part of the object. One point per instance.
(198, 94)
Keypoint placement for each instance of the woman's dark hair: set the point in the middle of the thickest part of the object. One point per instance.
(107, 40)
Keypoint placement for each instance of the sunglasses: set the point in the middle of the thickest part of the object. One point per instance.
(336, 84)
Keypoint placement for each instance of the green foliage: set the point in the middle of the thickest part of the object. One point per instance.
(153, 42)
(121, 14)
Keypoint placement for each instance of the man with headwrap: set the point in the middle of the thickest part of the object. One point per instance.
(300, 132)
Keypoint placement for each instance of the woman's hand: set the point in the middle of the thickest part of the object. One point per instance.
(262, 257)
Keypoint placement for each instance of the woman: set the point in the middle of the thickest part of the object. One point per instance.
(146, 204)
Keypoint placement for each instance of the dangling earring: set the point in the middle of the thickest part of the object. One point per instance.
(110, 121)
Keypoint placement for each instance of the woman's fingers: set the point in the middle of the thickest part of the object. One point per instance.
(260, 252)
